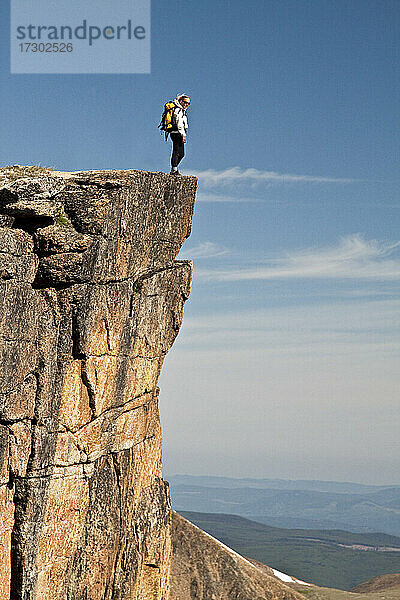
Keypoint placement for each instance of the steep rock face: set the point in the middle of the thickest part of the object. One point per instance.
(91, 300)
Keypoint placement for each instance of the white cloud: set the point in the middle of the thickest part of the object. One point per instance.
(352, 258)
(204, 250)
(211, 177)
(201, 197)
(306, 330)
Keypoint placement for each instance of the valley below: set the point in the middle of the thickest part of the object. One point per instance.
(205, 567)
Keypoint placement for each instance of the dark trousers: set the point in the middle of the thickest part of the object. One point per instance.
(178, 149)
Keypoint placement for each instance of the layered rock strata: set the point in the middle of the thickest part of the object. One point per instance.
(91, 300)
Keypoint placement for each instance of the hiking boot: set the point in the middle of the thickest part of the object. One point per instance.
(174, 172)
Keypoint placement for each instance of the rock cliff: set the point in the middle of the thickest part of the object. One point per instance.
(91, 300)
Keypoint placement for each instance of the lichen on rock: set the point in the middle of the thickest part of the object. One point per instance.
(91, 300)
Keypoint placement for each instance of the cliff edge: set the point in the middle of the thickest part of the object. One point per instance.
(91, 300)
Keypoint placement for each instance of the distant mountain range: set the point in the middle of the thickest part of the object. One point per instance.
(292, 504)
(278, 484)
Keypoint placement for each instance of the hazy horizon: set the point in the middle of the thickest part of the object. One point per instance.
(267, 478)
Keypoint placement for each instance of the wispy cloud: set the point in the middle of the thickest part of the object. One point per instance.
(212, 177)
(352, 258)
(202, 197)
(204, 250)
(304, 329)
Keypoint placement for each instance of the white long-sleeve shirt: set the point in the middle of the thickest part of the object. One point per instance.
(180, 118)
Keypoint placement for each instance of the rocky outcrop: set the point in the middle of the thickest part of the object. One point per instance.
(91, 300)
(205, 569)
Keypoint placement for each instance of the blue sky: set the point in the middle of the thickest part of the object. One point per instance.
(288, 361)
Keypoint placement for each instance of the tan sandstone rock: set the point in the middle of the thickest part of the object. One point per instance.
(91, 300)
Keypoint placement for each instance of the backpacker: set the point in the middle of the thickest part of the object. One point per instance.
(168, 118)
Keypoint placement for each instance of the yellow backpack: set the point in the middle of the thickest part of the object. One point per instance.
(167, 120)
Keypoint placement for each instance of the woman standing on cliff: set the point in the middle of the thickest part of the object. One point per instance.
(178, 133)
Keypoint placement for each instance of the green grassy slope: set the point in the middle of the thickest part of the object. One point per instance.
(321, 593)
(321, 563)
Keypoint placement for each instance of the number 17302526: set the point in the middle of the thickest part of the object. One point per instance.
(45, 47)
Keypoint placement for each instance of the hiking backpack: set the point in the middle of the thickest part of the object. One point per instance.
(167, 123)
